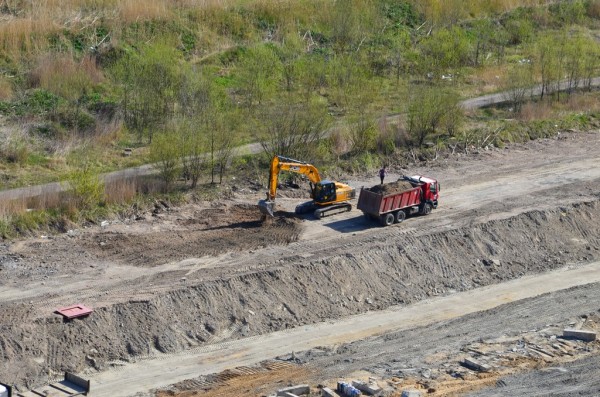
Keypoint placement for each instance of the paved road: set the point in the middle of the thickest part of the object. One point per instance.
(165, 370)
(253, 148)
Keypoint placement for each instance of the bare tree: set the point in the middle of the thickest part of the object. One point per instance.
(292, 130)
(192, 147)
(429, 109)
(518, 85)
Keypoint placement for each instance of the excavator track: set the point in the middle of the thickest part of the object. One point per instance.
(332, 210)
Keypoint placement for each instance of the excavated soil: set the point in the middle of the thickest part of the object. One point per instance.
(383, 272)
(392, 187)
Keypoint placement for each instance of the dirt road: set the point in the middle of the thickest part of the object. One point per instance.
(185, 279)
(150, 374)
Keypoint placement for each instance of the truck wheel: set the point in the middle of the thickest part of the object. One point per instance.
(426, 209)
(400, 216)
(387, 219)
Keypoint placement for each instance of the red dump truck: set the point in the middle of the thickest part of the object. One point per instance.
(393, 202)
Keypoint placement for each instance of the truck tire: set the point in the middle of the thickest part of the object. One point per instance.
(400, 216)
(387, 219)
(426, 209)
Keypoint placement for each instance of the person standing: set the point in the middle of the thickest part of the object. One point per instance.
(382, 173)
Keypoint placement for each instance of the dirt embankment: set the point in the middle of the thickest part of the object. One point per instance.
(370, 276)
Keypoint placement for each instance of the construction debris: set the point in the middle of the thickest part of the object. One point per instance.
(347, 390)
(588, 336)
(475, 366)
(74, 311)
(327, 392)
(297, 390)
(411, 393)
(371, 389)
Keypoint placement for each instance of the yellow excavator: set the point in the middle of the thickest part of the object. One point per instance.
(327, 197)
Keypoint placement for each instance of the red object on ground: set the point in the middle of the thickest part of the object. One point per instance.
(74, 311)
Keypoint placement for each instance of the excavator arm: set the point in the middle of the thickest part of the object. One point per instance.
(278, 164)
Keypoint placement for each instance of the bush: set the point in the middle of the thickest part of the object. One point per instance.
(86, 188)
(16, 152)
(568, 12)
(447, 48)
(164, 153)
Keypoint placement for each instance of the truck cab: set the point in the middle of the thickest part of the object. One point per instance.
(429, 186)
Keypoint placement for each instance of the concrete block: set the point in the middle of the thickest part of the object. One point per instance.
(475, 366)
(297, 390)
(327, 392)
(367, 388)
(411, 393)
(588, 336)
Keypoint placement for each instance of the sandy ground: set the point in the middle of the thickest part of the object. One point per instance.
(176, 279)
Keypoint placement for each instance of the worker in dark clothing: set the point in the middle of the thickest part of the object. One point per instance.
(382, 173)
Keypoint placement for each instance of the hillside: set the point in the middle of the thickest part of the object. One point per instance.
(89, 86)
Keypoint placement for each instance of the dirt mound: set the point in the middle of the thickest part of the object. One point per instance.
(371, 276)
(392, 187)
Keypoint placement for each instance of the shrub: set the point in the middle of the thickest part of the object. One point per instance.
(86, 188)
(15, 152)
(447, 48)
(164, 153)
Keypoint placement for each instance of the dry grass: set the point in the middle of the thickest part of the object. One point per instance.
(10, 207)
(25, 35)
(6, 89)
(45, 201)
(487, 80)
(62, 75)
(121, 191)
(577, 102)
(142, 10)
(536, 111)
(443, 11)
(594, 8)
(544, 110)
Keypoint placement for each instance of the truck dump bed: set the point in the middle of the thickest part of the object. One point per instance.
(377, 204)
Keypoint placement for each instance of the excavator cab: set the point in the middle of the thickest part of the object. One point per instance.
(324, 192)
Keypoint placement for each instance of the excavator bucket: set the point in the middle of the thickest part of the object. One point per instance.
(266, 207)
